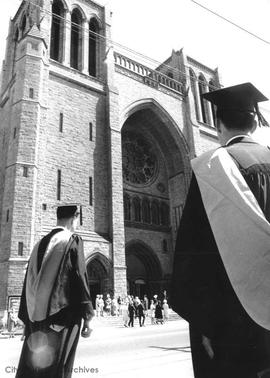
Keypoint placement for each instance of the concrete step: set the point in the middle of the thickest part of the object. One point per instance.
(117, 321)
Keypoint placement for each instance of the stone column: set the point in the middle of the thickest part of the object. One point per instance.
(117, 205)
(85, 58)
(67, 39)
(117, 226)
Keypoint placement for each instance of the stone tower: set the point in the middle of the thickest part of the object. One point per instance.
(58, 95)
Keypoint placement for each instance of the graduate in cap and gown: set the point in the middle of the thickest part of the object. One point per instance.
(54, 301)
(221, 272)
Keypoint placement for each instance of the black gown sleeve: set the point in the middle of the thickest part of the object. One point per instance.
(81, 286)
(194, 291)
(23, 314)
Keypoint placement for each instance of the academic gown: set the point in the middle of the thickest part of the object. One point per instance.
(50, 344)
(201, 290)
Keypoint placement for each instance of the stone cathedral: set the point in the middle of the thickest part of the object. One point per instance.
(83, 122)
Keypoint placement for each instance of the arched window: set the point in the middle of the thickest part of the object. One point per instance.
(155, 213)
(57, 31)
(164, 214)
(127, 207)
(93, 46)
(16, 35)
(212, 88)
(23, 25)
(146, 216)
(76, 40)
(202, 90)
(194, 94)
(136, 203)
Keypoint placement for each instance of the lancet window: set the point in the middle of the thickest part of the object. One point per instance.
(76, 40)
(93, 46)
(57, 31)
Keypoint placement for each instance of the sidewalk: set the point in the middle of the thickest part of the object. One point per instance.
(116, 350)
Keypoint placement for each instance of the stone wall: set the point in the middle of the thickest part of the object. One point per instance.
(33, 148)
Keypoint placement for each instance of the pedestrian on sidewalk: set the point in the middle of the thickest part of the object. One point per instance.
(140, 313)
(108, 305)
(114, 307)
(119, 306)
(124, 307)
(158, 313)
(145, 304)
(131, 313)
(12, 322)
(101, 305)
(165, 310)
(152, 311)
(97, 303)
(55, 299)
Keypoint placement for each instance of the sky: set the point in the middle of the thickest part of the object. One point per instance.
(154, 27)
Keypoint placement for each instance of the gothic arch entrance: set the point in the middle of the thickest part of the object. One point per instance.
(144, 273)
(156, 172)
(98, 271)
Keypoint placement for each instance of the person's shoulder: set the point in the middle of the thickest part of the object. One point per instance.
(250, 153)
(203, 158)
(246, 144)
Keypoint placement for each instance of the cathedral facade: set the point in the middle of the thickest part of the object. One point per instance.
(82, 122)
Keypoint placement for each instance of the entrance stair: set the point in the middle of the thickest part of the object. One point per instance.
(117, 321)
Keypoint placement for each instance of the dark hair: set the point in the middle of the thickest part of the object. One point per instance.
(64, 212)
(234, 119)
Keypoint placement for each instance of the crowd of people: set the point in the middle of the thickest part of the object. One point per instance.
(131, 307)
(10, 323)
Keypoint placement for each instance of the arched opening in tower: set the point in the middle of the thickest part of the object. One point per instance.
(93, 46)
(57, 31)
(76, 40)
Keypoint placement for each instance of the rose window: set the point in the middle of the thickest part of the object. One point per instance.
(139, 159)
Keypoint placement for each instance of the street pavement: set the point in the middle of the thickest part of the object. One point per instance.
(139, 352)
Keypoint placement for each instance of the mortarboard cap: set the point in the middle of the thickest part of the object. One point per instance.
(67, 210)
(241, 98)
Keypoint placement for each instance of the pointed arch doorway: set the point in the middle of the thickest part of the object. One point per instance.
(144, 273)
(98, 271)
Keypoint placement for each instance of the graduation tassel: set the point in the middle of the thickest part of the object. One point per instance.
(261, 119)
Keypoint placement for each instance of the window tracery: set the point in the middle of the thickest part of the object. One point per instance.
(155, 213)
(136, 209)
(146, 216)
(147, 211)
(139, 159)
